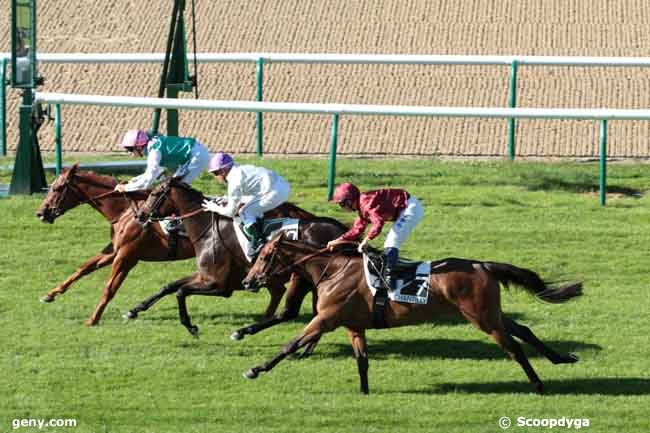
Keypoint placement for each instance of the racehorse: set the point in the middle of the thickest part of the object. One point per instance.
(221, 262)
(470, 288)
(130, 241)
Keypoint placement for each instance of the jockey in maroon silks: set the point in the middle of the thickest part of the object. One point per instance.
(376, 207)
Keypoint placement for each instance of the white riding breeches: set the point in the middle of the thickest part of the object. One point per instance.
(199, 159)
(405, 223)
(259, 204)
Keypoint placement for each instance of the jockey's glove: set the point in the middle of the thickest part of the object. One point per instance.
(212, 206)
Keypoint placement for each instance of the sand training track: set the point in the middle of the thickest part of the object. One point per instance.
(489, 27)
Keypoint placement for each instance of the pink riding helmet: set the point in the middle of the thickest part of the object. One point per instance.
(220, 161)
(135, 138)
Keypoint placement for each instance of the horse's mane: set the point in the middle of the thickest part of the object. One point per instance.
(292, 207)
(110, 182)
(98, 179)
(328, 220)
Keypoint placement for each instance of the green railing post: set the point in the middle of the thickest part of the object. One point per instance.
(57, 137)
(603, 161)
(259, 97)
(3, 107)
(512, 103)
(332, 168)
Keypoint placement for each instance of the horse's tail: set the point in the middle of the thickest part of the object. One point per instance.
(529, 280)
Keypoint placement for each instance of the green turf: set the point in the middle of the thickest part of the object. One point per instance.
(151, 376)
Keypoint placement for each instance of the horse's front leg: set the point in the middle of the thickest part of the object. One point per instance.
(150, 301)
(295, 296)
(120, 269)
(98, 261)
(358, 341)
(195, 286)
(312, 331)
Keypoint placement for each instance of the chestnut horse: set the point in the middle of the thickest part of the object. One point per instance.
(470, 288)
(221, 262)
(130, 241)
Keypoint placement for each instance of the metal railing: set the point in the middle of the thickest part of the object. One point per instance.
(260, 59)
(601, 115)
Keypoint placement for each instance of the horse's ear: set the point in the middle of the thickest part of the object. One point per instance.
(74, 167)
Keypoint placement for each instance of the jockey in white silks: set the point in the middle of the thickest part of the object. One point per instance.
(185, 156)
(267, 190)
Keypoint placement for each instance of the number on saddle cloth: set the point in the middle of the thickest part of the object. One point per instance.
(412, 278)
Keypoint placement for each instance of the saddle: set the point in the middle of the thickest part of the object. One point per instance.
(174, 229)
(405, 271)
(270, 228)
(412, 283)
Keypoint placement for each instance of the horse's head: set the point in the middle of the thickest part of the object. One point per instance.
(161, 201)
(276, 260)
(270, 260)
(62, 196)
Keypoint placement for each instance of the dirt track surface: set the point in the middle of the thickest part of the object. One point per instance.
(481, 27)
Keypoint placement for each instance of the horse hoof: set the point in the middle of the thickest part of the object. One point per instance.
(251, 374)
(302, 355)
(46, 299)
(90, 322)
(194, 330)
(130, 315)
(539, 388)
(236, 336)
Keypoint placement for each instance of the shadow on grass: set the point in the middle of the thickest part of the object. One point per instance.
(238, 319)
(453, 349)
(591, 386)
(581, 185)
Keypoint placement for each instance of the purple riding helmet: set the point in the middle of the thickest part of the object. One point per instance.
(135, 138)
(220, 161)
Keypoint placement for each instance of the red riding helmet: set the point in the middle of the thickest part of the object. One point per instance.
(346, 192)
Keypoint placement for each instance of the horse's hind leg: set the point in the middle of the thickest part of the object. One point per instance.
(150, 301)
(525, 334)
(514, 350)
(98, 261)
(358, 342)
(486, 316)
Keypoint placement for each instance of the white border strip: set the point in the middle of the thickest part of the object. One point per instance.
(353, 109)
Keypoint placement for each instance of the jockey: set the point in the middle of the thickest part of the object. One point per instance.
(186, 156)
(377, 207)
(267, 189)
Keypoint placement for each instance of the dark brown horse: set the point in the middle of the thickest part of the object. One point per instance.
(130, 241)
(221, 262)
(470, 288)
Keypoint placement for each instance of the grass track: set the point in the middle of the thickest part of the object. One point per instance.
(151, 376)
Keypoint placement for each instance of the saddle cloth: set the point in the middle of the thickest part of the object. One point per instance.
(412, 279)
(168, 225)
(271, 228)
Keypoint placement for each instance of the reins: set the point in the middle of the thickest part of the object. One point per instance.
(304, 259)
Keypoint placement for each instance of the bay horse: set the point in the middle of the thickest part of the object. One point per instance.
(221, 263)
(470, 288)
(130, 241)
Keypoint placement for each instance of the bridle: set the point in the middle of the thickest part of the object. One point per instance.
(288, 267)
(69, 187)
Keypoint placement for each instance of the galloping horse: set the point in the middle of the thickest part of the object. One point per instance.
(468, 287)
(130, 242)
(221, 262)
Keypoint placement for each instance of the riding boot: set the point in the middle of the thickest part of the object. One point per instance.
(254, 235)
(392, 255)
